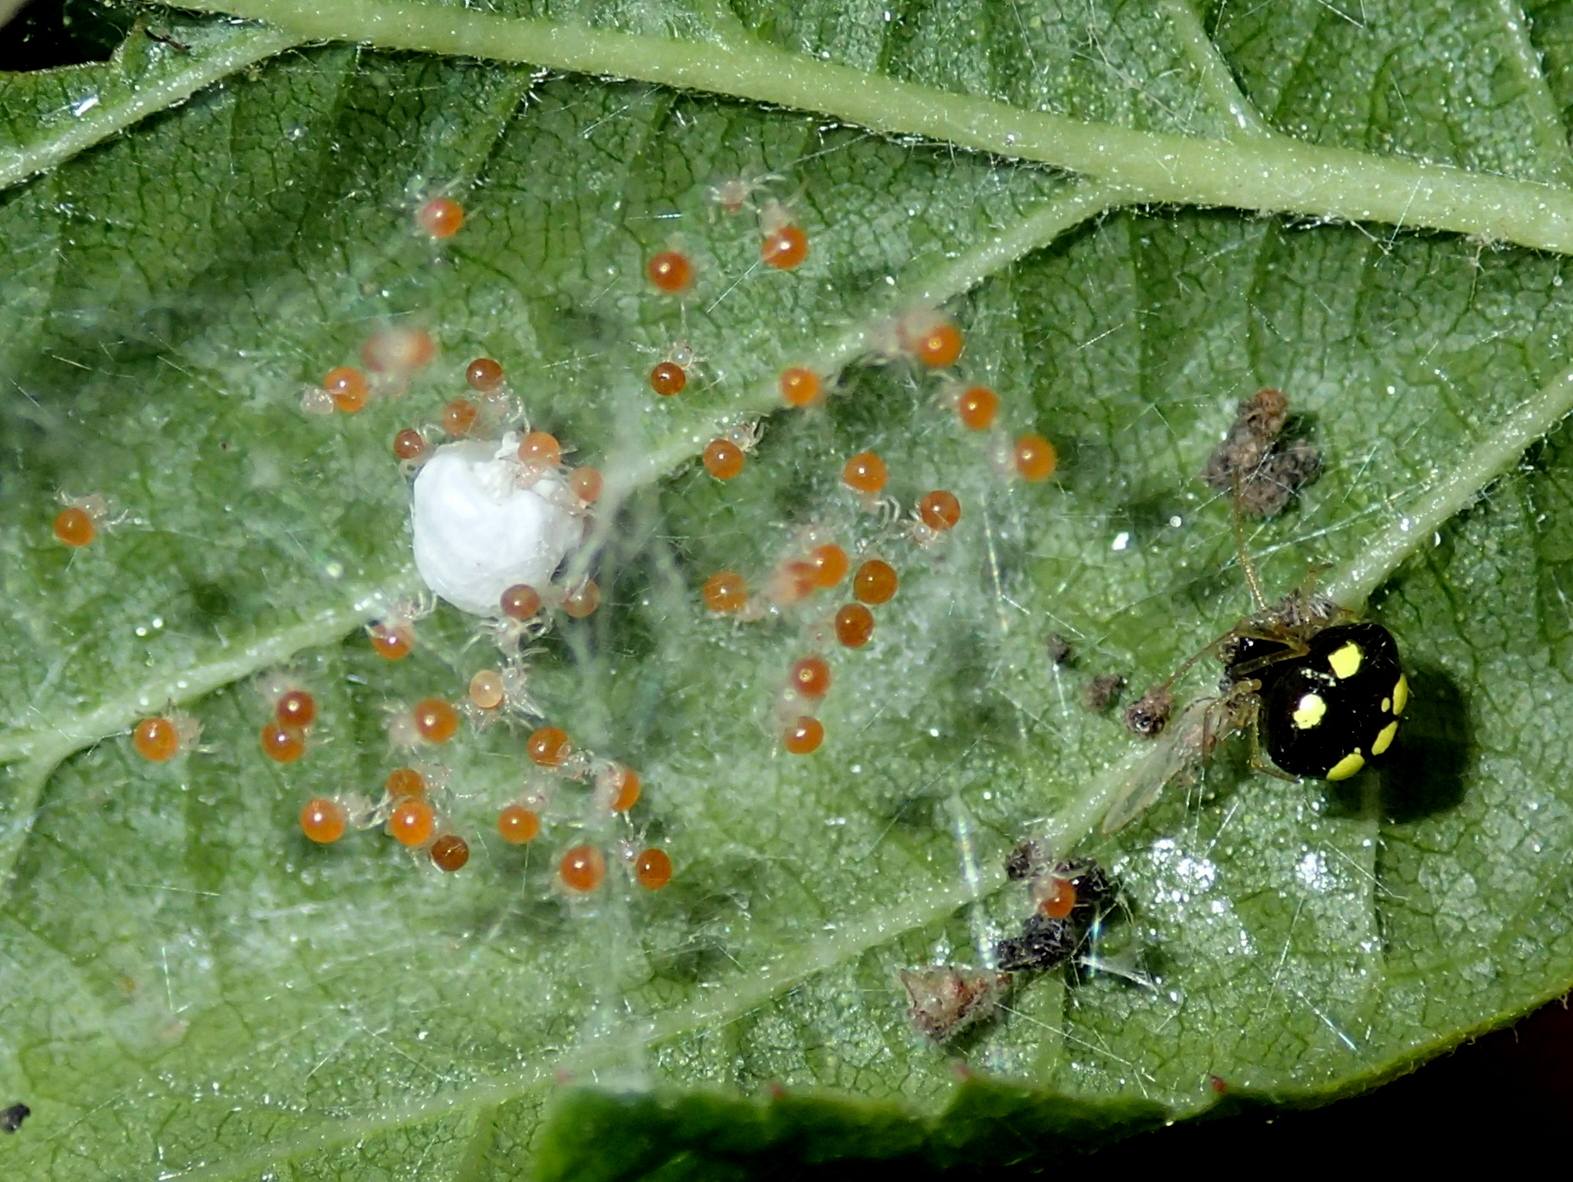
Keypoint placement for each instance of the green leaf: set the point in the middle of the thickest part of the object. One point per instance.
(193, 990)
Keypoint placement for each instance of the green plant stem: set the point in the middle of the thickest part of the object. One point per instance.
(47, 745)
(1076, 204)
(38, 751)
(1265, 173)
(1415, 525)
(1212, 72)
(73, 134)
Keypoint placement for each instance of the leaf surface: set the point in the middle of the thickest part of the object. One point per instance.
(195, 991)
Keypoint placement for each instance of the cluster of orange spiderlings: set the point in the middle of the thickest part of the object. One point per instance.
(538, 454)
(440, 217)
(496, 693)
(616, 789)
(409, 807)
(783, 243)
(413, 804)
(783, 246)
(816, 564)
(932, 342)
(390, 357)
(487, 414)
(822, 566)
(283, 735)
(937, 343)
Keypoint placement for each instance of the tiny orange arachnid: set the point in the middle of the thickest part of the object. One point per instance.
(931, 338)
(483, 375)
(803, 736)
(548, 746)
(435, 719)
(829, 564)
(784, 248)
(854, 625)
(875, 582)
(723, 459)
(77, 524)
(160, 738)
(518, 825)
(392, 642)
(725, 592)
(441, 217)
(409, 444)
(810, 677)
(668, 378)
(939, 510)
(1035, 458)
(486, 690)
(404, 781)
(618, 787)
(449, 852)
(283, 742)
(540, 449)
(296, 707)
(653, 869)
(976, 407)
(800, 387)
(582, 868)
(347, 386)
(587, 484)
(735, 193)
(412, 821)
(399, 350)
(865, 473)
(520, 601)
(458, 417)
(322, 820)
(670, 271)
(582, 600)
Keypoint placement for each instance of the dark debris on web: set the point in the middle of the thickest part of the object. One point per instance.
(1262, 460)
(1046, 942)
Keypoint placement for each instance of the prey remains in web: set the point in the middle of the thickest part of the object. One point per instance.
(1319, 690)
(1072, 900)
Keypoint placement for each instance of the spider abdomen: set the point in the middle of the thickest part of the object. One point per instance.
(1327, 712)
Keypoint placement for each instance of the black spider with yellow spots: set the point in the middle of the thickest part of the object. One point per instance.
(1321, 692)
(1329, 696)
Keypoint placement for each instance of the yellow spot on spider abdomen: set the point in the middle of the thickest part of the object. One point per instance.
(1347, 766)
(1400, 694)
(1385, 737)
(1345, 660)
(1309, 712)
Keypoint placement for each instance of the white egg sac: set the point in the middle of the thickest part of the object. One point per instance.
(479, 528)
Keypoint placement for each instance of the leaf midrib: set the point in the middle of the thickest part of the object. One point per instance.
(243, 49)
(1269, 173)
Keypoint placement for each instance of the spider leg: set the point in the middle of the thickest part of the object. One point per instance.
(1294, 648)
(1259, 762)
